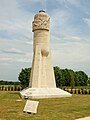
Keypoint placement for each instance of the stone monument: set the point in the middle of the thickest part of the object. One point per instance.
(42, 81)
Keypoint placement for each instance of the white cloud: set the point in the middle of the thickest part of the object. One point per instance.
(59, 21)
(8, 9)
(14, 21)
(20, 45)
(13, 51)
(83, 5)
(6, 59)
(24, 60)
(74, 2)
(11, 11)
(71, 38)
(15, 25)
(40, 1)
(72, 55)
(67, 2)
(87, 21)
(29, 42)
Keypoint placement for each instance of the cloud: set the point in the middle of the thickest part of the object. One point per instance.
(29, 42)
(13, 51)
(15, 30)
(72, 55)
(11, 11)
(60, 24)
(6, 59)
(71, 38)
(87, 21)
(78, 5)
(74, 2)
(29, 5)
(14, 23)
(35, 1)
(66, 3)
(8, 10)
(85, 6)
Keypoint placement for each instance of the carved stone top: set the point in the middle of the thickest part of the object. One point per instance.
(41, 21)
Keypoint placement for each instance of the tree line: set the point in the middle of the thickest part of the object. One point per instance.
(2, 82)
(68, 77)
(63, 77)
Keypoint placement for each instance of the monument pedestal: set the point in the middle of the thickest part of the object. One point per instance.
(43, 93)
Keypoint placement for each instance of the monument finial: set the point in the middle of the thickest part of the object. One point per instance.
(41, 11)
(41, 21)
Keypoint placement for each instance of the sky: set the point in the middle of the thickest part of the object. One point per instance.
(69, 34)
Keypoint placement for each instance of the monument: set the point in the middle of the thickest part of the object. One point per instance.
(42, 81)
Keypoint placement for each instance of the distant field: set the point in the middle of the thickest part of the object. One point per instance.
(49, 109)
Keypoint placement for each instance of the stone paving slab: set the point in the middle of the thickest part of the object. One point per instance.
(85, 118)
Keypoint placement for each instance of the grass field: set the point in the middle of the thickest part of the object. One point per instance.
(49, 109)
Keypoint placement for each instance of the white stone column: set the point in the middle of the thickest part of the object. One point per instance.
(42, 75)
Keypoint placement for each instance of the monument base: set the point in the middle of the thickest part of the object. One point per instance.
(44, 93)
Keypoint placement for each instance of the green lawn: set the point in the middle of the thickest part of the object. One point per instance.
(49, 109)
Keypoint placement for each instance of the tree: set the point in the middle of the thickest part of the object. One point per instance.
(72, 78)
(24, 77)
(89, 81)
(68, 77)
(57, 76)
(82, 78)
